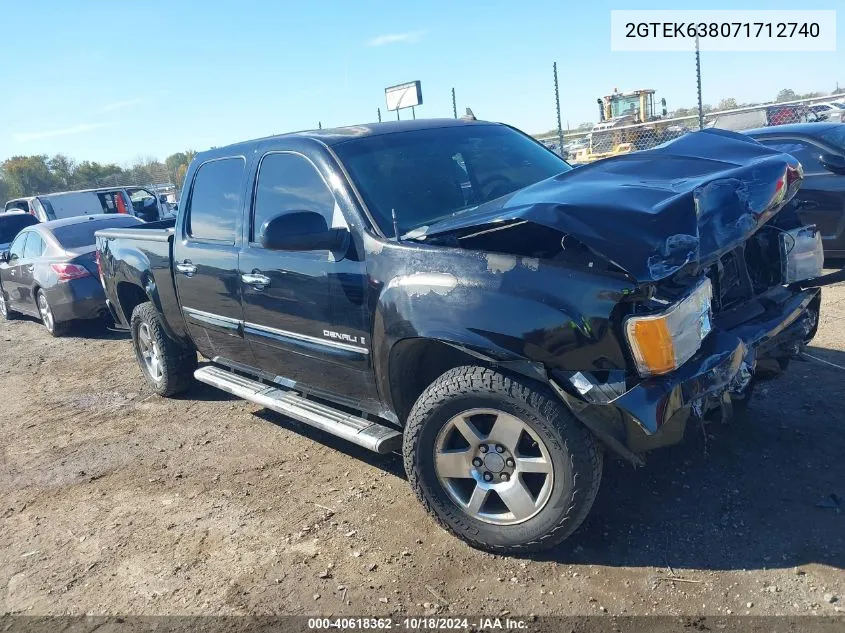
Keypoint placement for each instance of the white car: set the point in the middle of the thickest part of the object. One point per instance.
(830, 112)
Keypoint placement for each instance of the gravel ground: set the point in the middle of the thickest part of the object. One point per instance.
(116, 501)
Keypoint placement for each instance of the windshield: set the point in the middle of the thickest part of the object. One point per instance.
(427, 175)
(622, 106)
(80, 234)
(11, 224)
(835, 135)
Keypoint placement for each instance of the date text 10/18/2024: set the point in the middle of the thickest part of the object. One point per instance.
(419, 623)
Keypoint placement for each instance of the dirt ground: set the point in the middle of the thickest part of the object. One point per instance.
(116, 501)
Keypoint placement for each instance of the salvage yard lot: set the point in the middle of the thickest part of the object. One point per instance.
(114, 500)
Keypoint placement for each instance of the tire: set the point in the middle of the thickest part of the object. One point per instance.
(5, 311)
(55, 328)
(166, 366)
(567, 449)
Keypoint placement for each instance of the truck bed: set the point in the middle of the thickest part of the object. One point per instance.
(140, 257)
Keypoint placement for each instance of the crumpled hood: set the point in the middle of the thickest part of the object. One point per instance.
(652, 212)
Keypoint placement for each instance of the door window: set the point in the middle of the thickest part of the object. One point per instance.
(34, 246)
(216, 200)
(16, 250)
(807, 153)
(288, 183)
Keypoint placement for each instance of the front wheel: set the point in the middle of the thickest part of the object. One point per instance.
(167, 366)
(499, 461)
(5, 311)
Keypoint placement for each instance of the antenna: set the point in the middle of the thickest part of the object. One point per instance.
(395, 225)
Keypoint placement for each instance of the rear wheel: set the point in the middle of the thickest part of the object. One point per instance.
(167, 366)
(499, 461)
(55, 328)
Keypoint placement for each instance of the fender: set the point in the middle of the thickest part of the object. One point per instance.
(526, 315)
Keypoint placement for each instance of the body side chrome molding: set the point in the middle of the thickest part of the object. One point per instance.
(263, 330)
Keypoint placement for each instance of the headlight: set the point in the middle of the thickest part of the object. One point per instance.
(663, 342)
(801, 254)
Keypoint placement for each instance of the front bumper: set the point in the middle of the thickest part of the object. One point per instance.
(655, 412)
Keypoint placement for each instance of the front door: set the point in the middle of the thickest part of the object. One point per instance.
(11, 275)
(205, 261)
(305, 313)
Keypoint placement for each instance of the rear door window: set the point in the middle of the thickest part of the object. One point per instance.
(216, 200)
(34, 246)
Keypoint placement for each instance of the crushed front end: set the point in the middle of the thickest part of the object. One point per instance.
(742, 318)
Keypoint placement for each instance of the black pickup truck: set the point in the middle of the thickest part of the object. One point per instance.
(454, 290)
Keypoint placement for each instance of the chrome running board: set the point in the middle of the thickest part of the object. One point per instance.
(371, 435)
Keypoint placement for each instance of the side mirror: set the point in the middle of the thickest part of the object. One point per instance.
(4, 257)
(301, 231)
(162, 198)
(833, 163)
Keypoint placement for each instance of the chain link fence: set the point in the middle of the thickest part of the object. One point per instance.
(630, 124)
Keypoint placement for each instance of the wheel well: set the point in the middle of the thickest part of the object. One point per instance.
(130, 297)
(415, 364)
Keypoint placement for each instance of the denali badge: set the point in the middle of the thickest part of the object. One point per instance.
(344, 337)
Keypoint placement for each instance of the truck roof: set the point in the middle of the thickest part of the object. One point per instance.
(337, 135)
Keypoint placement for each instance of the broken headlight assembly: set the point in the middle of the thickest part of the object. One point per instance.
(662, 342)
(801, 254)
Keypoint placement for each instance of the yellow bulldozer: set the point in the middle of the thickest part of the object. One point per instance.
(628, 122)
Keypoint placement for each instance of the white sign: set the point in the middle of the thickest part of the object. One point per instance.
(403, 96)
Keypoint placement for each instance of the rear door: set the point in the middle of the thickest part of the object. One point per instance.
(821, 198)
(205, 260)
(305, 313)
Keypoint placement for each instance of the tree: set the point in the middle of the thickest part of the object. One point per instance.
(177, 165)
(29, 175)
(6, 192)
(679, 112)
(786, 95)
(180, 176)
(93, 174)
(727, 104)
(585, 126)
(63, 169)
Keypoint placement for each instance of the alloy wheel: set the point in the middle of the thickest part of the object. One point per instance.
(149, 352)
(494, 466)
(45, 312)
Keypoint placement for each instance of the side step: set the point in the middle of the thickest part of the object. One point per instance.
(371, 435)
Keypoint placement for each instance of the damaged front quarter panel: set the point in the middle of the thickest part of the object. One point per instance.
(523, 313)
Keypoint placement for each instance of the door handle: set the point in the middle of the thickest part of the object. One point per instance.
(186, 268)
(256, 280)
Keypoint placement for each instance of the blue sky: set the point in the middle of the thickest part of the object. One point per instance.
(113, 81)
